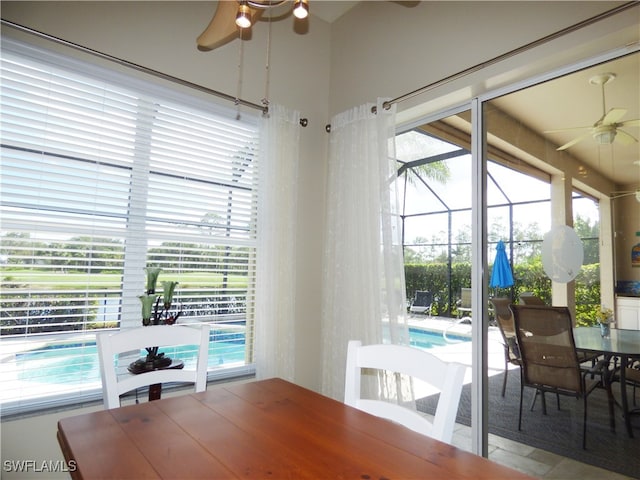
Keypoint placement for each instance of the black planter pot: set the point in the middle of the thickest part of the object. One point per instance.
(150, 363)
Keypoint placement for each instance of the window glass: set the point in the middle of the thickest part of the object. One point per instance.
(103, 176)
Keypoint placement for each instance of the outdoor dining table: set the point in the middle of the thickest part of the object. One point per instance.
(262, 429)
(620, 343)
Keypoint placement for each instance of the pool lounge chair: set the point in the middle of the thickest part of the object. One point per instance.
(464, 304)
(422, 302)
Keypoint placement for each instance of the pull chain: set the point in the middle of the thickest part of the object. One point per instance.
(265, 100)
(240, 62)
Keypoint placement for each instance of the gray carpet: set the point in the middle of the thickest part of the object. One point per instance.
(560, 431)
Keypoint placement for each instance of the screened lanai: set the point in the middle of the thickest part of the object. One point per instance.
(435, 176)
(530, 185)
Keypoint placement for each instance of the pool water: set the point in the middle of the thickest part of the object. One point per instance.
(78, 363)
(427, 339)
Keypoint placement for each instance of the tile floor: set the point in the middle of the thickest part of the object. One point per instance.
(535, 462)
(532, 461)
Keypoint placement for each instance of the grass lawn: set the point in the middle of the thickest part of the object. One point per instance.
(64, 281)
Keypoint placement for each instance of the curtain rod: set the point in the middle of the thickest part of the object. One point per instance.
(386, 105)
(238, 101)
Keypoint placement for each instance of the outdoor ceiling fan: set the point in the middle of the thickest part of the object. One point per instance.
(607, 129)
(626, 193)
(230, 16)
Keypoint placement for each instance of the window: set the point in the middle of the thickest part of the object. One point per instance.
(103, 175)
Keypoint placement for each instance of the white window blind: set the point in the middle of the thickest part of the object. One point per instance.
(101, 176)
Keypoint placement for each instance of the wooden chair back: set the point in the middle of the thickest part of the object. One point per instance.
(445, 377)
(116, 380)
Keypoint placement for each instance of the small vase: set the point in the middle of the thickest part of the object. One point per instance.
(605, 330)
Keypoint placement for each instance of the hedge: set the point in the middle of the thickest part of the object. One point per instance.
(528, 277)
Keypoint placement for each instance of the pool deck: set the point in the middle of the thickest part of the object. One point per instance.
(461, 351)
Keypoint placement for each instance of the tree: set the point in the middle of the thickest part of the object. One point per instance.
(589, 235)
(422, 147)
(213, 224)
(412, 256)
(19, 249)
(436, 171)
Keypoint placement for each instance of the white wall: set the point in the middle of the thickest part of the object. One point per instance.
(383, 49)
(379, 49)
(627, 224)
(34, 439)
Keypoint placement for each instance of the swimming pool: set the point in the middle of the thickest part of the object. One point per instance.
(429, 339)
(77, 363)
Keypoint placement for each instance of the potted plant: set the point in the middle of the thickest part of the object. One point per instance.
(156, 310)
(604, 316)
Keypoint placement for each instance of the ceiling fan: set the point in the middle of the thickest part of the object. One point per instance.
(233, 15)
(626, 193)
(607, 129)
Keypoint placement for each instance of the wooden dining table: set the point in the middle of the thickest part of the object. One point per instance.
(620, 343)
(262, 429)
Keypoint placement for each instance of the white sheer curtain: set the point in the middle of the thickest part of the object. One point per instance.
(276, 252)
(363, 297)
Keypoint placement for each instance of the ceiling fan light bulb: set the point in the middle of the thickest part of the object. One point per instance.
(301, 9)
(606, 138)
(604, 134)
(243, 17)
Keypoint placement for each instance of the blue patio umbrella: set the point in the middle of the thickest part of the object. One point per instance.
(501, 276)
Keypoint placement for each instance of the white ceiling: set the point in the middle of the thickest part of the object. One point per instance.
(330, 10)
(572, 101)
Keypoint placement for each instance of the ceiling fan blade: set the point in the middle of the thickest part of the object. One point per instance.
(222, 28)
(625, 138)
(573, 142)
(630, 123)
(614, 195)
(613, 116)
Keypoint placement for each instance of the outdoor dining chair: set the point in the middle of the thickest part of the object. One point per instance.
(632, 375)
(528, 298)
(445, 377)
(549, 359)
(504, 319)
(116, 380)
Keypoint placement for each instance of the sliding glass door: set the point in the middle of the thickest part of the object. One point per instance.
(575, 137)
(559, 152)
